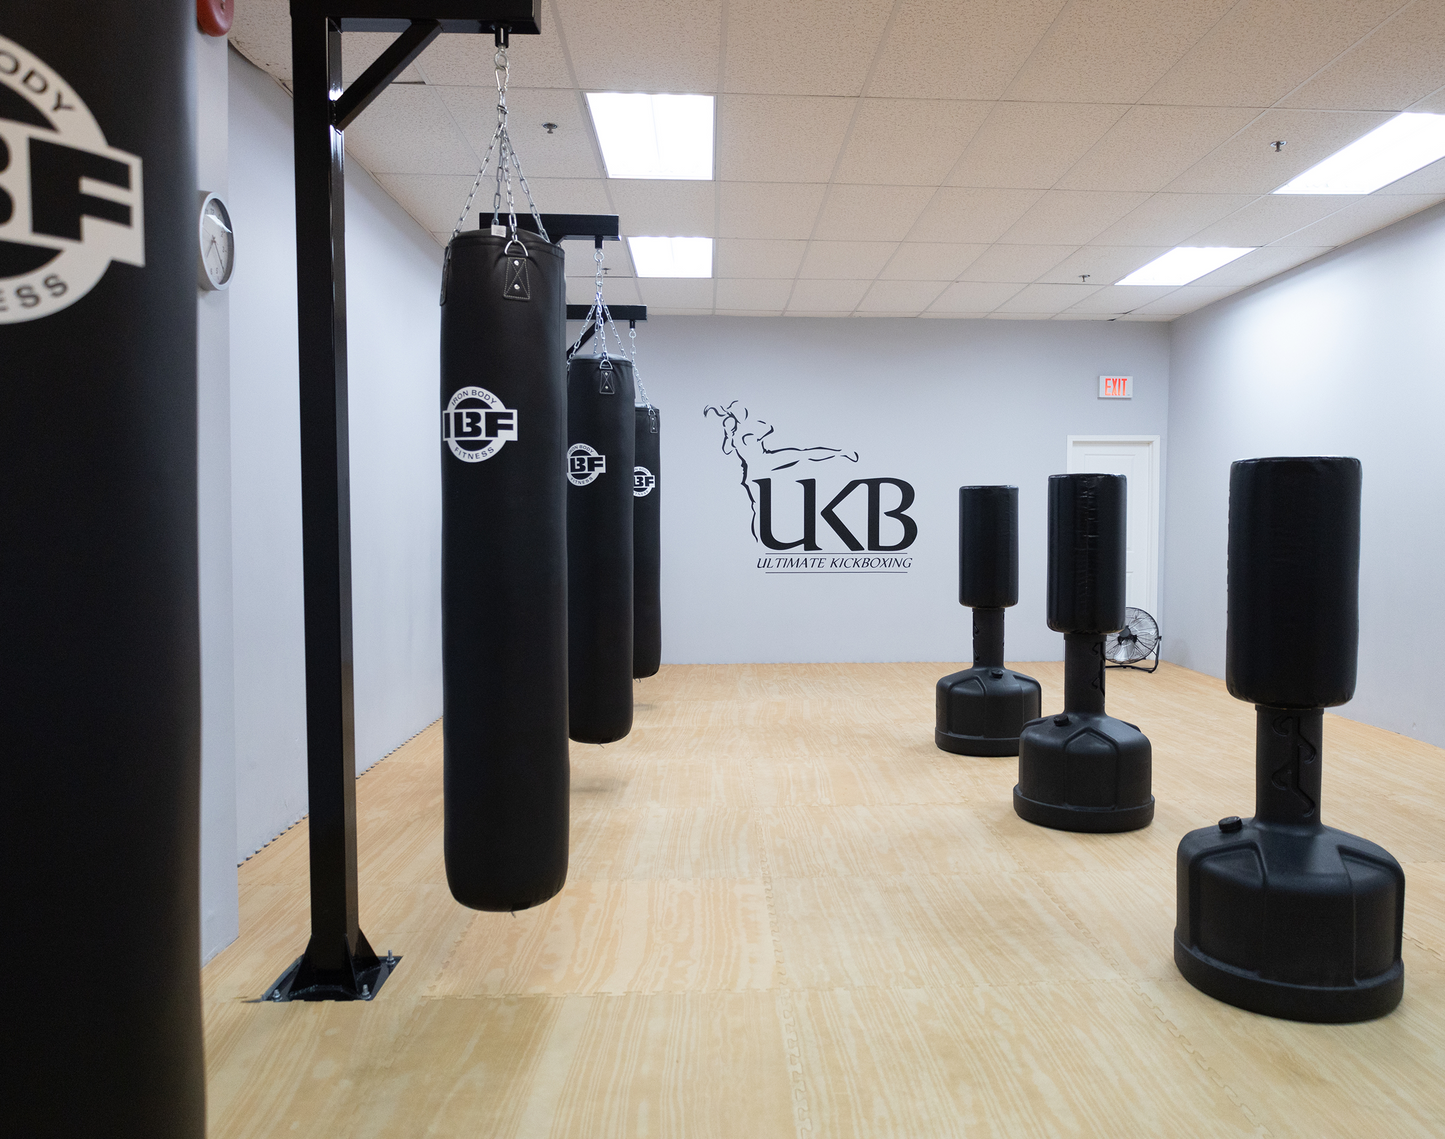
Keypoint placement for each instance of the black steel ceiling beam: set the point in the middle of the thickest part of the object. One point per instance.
(619, 312)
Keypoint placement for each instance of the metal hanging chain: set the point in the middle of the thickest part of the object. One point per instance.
(632, 359)
(597, 313)
(507, 161)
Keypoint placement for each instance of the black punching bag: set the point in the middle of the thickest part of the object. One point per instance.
(647, 546)
(1083, 770)
(99, 638)
(981, 710)
(1280, 914)
(601, 448)
(504, 570)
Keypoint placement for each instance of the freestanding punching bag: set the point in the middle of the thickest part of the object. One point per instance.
(99, 638)
(1083, 770)
(504, 570)
(982, 709)
(647, 545)
(1280, 914)
(601, 449)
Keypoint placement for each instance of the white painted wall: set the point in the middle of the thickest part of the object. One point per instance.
(393, 274)
(1343, 356)
(219, 905)
(937, 403)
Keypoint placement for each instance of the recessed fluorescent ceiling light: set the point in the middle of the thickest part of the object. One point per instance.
(1185, 264)
(654, 136)
(671, 256)
(1389, 152)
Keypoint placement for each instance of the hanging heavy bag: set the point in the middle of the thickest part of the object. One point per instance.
(601, 449)
(646, 546)
(99, 659)
(504, 570)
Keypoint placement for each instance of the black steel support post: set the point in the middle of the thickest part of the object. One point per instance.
(339, 963)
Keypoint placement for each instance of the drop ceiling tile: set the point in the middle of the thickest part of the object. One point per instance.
(1046, 298)
(566, 153)
(1076, 314)
(1116, 300)
(1104, 264)
(910, 142)
(466, 61)
(997, 315)
(965, 215)
(434, 200)
(408, 131)
(768, 209)
(780, 138)
(972, 297)
(1263, 49)
(1142, 317)
(1032, 144)
(1167, 219)
(1112, 51)
(662, 208)
(1428, 180)
(1365, 215)
(1064, 217)
(771, 296)
(582, 291)
(845, 260)
(879, 213)
(966, 49)
(1249, 163)
(1015, 264)
(1400, 62)
(1184, 300)
(676, 292)
(562, 196)
(933, 315)
(616, 261)
(1434, 102)
(1260, 265)
(901, 297)
(642, 45)
(814, 47)
(261, 31)
(441, 238)
(930, 261)
(827, 296)
(757, 259)
(1151, 146)
(1268, 219)
(359, 50)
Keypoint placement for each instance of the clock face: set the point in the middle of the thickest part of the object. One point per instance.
(218, 244)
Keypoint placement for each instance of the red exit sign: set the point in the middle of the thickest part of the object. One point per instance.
(1116, 387)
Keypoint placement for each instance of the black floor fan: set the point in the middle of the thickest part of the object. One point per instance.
(1137, 641)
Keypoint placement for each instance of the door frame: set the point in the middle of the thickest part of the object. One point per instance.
(1154, 515)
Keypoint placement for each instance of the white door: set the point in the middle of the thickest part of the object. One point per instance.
(1136, 457)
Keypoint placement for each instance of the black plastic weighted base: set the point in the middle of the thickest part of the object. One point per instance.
(982, 710)
(360, 981)
(1299, 922)
(1084, 771)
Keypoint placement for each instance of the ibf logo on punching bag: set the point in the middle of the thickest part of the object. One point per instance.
(69, 204)
(476, 424)
(584, 464)
(643, 481)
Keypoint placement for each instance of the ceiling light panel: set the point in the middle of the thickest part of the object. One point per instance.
(671, 256)
(654, 136)
(1395, 148)
(1184, 264)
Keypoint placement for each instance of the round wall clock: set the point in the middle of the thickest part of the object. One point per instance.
(217, 251)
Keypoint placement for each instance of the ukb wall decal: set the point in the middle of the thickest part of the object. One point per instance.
(810, 512)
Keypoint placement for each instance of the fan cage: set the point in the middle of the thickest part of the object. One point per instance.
(1135, 643)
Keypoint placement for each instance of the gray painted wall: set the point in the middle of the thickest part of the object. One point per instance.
(1343, 356)
(937, 403)
(393, 275)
